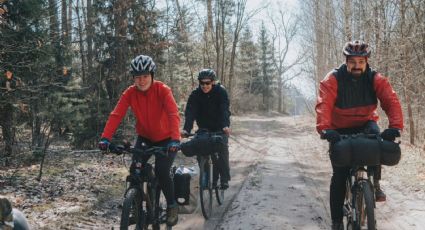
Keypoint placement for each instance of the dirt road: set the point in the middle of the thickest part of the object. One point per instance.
(280, 180)
(288, 182)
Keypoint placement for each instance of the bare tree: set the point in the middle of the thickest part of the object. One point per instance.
(285, 29)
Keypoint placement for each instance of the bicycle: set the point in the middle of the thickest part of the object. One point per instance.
(143, 204)
(207, 185)
(358, 151)
(359, 205)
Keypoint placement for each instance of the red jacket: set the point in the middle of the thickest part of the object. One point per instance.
(157, 116)
(330, 116)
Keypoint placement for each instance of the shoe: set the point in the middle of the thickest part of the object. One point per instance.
(337, 226)
(379, 194)
(224, 185)
(172, 215)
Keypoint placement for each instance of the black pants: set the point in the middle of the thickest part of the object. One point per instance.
(221, 165)
(340, 174)
(162, 168)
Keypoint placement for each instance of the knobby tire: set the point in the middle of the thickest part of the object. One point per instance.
(205, 192)
(132, 205)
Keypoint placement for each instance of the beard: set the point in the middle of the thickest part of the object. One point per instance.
(357, 72)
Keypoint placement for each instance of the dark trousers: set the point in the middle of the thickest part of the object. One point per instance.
(340, 174)
(162, 168)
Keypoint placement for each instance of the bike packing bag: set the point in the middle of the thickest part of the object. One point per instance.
(202, 144)
(364, 150)
(182, 188)
(391, 153)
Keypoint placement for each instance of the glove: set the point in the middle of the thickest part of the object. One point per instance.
(103, 144)
(184, 134)
(390, 134)
(173, 146)
(331, 135)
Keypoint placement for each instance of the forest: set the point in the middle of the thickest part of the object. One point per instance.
(68, 60)
(65, 63)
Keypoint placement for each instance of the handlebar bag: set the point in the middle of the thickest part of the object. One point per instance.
(364, 151)
(202, 144)
(391, 153)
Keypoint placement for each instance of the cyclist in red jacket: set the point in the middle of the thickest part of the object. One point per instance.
(347, 103)
(157, 123)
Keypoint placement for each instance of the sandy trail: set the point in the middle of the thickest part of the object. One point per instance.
(289, 188)
(280, 180)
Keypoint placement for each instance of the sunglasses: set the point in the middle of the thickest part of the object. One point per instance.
(205, 82)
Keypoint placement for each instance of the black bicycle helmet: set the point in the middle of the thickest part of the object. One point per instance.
(356, 48)
(142, 65)
(207, 74)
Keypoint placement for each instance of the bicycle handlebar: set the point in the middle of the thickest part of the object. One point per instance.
(205, 131)
(120, 149)
(364, 135)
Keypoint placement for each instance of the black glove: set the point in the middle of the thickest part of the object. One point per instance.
(390, 134)
(331, 135)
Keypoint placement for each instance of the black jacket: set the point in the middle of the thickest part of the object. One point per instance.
(210, 110)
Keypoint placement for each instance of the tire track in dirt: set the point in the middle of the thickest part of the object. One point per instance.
(279, 146)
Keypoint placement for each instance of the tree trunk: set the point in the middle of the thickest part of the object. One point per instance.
(6, 123)
(347, 21)
(89, 38)
(80, 33)
(280, 94)
(406, 79)
(64, 22)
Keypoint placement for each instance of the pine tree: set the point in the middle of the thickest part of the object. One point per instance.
(267, 72)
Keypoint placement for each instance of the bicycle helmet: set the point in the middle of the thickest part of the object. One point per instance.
(142, 65)
(356, 48)
(207, 74)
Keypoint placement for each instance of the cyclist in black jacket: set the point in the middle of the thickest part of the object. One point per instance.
(209, 106)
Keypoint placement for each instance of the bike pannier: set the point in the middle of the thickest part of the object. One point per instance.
(365, 151)
(182, 187)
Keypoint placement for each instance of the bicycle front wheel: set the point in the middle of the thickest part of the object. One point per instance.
(205, 190)
(133, 216)
(160, 211)
(365, 207)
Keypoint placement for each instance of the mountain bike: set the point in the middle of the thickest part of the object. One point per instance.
(361, 150)
(205, 146)
(144, 204)
(207, 186)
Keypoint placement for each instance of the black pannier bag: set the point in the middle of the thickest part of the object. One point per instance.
(364, 150)
(202, 144)
(182, 188)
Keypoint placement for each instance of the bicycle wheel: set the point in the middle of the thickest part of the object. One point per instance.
(160, 211)
(219, 194)
(365, 207)
(347, 210)
(133, 216)
(205, 189)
